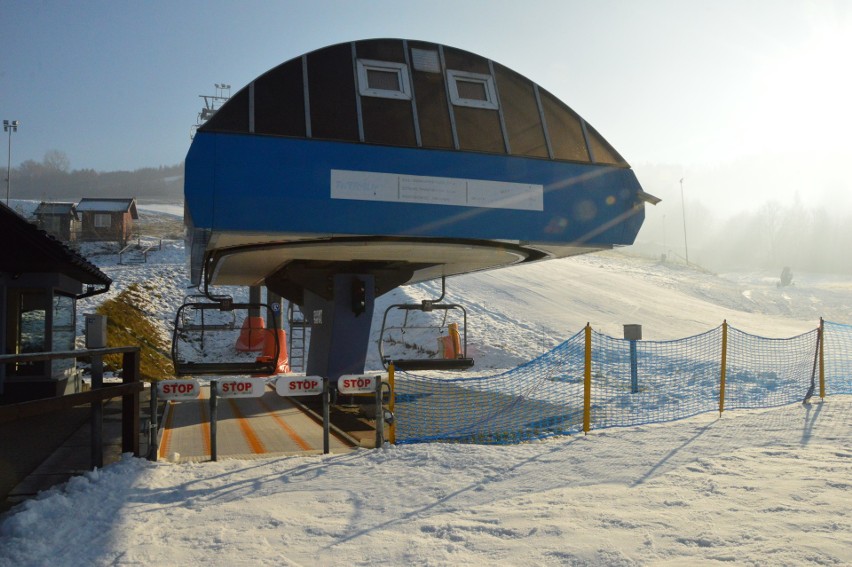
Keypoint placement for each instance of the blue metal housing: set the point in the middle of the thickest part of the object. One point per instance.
(394, 161)
(267, 184)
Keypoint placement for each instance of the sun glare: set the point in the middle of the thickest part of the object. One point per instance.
(799, 100)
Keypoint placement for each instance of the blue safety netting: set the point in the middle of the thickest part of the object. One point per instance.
(838, 358)
(764, 372)
(671, 379)
(632, 383)
(540, 398)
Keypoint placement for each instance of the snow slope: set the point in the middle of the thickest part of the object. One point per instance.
(752, 488)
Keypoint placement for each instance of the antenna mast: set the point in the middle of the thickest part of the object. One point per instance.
(212, 103)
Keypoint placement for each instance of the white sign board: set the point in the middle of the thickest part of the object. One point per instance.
(178, 389)
(428, 190)
(357, 383)
(240, 387)
(298, 385)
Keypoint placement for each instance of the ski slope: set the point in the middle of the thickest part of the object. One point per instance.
(763, 487)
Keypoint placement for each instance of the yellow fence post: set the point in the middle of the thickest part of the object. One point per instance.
(724, 365)
(587, 382)
(392, 433)
(821, 358)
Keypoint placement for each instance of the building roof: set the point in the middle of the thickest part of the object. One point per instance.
(35, 251)
(55, 209)
(415, 94)
(128, 205)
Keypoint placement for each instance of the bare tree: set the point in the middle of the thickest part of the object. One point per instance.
(56, 161)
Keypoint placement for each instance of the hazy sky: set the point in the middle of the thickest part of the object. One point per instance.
(745, 99)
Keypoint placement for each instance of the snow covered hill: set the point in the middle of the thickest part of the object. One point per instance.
(763, 487)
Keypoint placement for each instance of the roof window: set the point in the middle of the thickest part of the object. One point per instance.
(383, 79)
(472, 89)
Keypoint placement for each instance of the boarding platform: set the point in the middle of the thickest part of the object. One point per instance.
(247, 428)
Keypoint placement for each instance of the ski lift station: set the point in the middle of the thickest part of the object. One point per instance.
(342, 174)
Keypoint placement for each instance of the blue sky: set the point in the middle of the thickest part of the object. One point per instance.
(695, 86)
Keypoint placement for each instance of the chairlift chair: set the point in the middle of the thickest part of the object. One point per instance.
(456, 359)
(194, 353)
(194, 319)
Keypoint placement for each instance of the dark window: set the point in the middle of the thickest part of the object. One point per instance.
(521, 114)
(279, 101)
(331, 83)
(564, 129)
(475, 106)
(472, 89)
(26, 331)
(383, 80)
(477, 121)
(386, 114)
(64, 333)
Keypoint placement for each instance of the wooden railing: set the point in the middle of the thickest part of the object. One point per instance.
(129, 390)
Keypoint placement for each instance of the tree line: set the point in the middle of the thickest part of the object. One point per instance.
(52, 179)
(768, 238)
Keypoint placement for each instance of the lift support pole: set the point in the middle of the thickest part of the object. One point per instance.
(340, 326)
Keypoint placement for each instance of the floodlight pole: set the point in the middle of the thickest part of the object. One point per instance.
(9, 126)
(683, 212)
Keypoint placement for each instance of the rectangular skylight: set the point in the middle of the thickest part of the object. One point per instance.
(472, 89)
(383, 79)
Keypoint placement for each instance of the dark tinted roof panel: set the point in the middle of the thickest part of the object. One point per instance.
(465, 61)
(279, 101)
(233, 116)
(453, 98)
(479, 130)
(603, 152)
(389, 122)
(331, 81)
(563, 126)
(430, 95)
(520, 111)
(381, 50)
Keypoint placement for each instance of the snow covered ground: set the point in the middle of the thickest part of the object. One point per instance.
(769, 487)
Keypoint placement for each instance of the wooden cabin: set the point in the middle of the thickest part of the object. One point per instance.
(107, 219)
(58, 219)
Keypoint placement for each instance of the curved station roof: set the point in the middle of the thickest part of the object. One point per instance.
(405, 159)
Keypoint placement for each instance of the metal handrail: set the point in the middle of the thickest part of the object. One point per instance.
(129, 391)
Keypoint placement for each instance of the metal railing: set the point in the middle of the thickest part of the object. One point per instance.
(129, 391)
(140, 248)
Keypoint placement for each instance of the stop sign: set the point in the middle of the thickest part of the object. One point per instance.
(178, 389)
(357, 383)
(298, 385)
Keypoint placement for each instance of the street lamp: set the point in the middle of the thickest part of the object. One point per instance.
(683, 212)
(9, 126)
